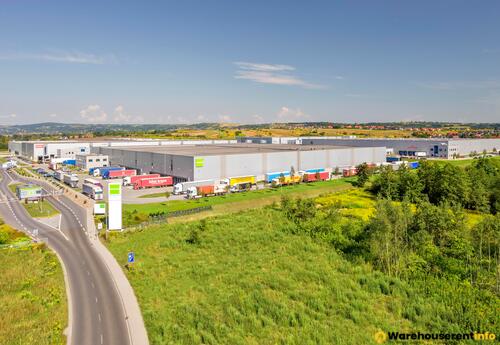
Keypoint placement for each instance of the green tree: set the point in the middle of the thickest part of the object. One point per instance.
(364, 172)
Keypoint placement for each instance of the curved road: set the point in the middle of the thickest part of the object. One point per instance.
(96, 311)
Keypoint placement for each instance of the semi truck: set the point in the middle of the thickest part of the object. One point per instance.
(92, 181)
(233, 181)
(59, 175)
(102, 170)
(118, 173)
(207, 190)
(153, 182)
(181, 188)
(71, 180)
(318, 176)
(93, 191)
(131, 180)
(271, 176)
(286, 180)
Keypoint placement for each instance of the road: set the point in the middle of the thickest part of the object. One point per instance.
(95, 307)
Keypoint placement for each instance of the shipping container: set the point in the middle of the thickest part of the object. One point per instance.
(315, 170)
(133, 179)
(71, 180)
(181, 188)
(93, 191)
(153, 182)
(319, 176)
(392, 159)
(119, 173)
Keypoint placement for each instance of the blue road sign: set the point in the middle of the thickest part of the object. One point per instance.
(131, 257)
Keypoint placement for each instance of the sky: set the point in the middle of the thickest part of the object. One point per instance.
(249, 61)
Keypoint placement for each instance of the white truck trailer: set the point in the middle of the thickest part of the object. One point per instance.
(181, 188)
(93, 191)
(71, 180)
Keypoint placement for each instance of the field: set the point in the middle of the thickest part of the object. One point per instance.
(237, 200)
(462, 162)
(245, 279)
(32, 294)
(36, 210)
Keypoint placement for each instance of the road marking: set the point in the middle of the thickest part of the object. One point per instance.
(60, 218)
(99, 316)
(101, 339)
(93, 286)
(88, 273)
(96, 300)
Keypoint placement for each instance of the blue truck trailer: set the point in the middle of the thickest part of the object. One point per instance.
(103, 170)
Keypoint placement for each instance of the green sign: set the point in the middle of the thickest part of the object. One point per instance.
(199, 162)
(114, 189)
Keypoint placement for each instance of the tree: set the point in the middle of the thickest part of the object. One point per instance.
(364, 171)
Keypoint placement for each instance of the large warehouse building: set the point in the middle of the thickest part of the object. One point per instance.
(441, 148)
(200, 162)
(45, 150)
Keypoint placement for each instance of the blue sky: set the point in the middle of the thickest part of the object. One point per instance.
(249, 61)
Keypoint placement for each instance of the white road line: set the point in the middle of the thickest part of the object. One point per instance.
(93, 286)
(60, 218)
(96, 300)
(99, 316)
(101, 339)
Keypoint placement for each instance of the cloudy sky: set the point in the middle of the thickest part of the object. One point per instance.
(249, 61)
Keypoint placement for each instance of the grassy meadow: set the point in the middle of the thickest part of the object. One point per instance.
(135, 213)
(247, 279)
(32, 293)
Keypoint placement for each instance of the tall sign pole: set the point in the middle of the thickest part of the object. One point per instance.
(115, 205)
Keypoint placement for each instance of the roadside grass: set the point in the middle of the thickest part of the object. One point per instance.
(255, 197)
(244, 279)
(40, 209)
(461, 162)
(32, 293)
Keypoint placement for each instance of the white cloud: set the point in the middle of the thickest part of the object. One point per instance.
(93, 113)
(120, 116)
(258, 119)
(74, 57)
(52, 115)
(290, 115)
(339, 77)
(456, 85)
(8, 116)
(271, 74)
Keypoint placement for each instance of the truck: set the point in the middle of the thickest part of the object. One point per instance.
(93, 181)
(9, 164)
(286, 180)
(153, 182)
(318, 176)
(181, 188)
(347, 172)
(71, 180)
(100, 171)
(207, 190)
(241, 180)
(314, 171)
(119, 173)
(93, 191)
(131, 180)
(59, 175)
(272, 175)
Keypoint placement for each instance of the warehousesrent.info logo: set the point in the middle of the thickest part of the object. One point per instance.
(382, 337)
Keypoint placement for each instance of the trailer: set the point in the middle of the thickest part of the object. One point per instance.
(318, 176)
(241, 180)
(93, 181)
(118, 173)
(131, 180)
(93, 191)
(207, 190)
(71, 180)
(314, 171)
(102, 170)
(273, 175)
(286, 180)
(59, 175)
(181, 188)
(153, 182)
(347, 172)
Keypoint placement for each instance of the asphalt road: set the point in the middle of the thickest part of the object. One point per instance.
(96, 311)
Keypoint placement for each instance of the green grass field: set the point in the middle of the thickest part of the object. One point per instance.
(40, 209)
(153, 195)
(251, 196)
(32, 294)
(461, 162)
(246, 281)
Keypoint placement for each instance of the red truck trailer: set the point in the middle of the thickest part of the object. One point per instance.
(153, 182)
(134, 179)
(120, 173)
(349, 172)
(320, 176)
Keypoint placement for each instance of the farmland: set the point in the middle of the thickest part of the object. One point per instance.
(32, 294)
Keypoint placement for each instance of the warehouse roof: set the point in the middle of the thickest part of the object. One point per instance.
(226, 149)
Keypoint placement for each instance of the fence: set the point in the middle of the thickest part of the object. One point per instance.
(162, 219)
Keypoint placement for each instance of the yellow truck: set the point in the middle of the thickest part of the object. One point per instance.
(233, 181)
(286, 180)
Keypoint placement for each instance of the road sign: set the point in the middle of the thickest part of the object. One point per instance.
(131, 257)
